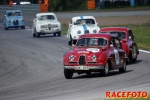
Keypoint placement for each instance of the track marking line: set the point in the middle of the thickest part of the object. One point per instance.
(144, 51)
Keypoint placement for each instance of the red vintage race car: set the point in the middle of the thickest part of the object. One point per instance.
(127, 40)
(95, 53)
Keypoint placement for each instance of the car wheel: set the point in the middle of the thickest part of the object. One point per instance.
(134, 60)
(54, 34)
(6, 28)
(70, 41)
(105, 71)
(68, 74)
(123, 68)
(22, 27)
(59, 33)
(88, 73)
(37, 35)
(34, 33)
(74, 42)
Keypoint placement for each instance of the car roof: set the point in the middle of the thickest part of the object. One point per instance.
(114, 29)
(47, 13)
(13, 11)
(82, 17)
(97, 35)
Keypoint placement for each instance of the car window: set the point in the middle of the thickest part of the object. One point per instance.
(13, 14)
(84, 21)
(117, 43)
(120, 35)
(92, 42)
(46, 17)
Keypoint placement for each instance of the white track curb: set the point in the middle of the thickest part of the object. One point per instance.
(144, 51)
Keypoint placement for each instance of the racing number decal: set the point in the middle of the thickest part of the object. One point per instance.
(116, 56)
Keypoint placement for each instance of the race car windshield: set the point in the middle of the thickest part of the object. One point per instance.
(91, 42)
(120, 35)
(13, 14)
(84, 21)
(46, 17)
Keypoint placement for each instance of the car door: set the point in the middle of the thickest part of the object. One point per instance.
(5, 18)
(69, 29)
(119, 53)
(113, 53)
(132, 44)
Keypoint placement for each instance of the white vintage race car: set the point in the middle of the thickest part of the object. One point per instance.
(81, 25)
(46, 23)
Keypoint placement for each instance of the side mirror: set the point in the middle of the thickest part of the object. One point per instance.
(34, 19)
(111, 45)
(97, 23)
(130, 37)
(70, 24)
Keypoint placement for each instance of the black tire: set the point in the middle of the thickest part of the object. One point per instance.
(123, 68)
(134, 60)
(6, 28)
(34, 32)
(105, 71)
(68, 74)
(22, 27)
(59, 33)
(70, 42)
(88, 73)
(74, 42)
(38, 35)
(54, 34)
(34, 35)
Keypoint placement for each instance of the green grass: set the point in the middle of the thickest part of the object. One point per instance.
(141, 34)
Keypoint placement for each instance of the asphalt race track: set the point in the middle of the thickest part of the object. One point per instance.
(32, 69)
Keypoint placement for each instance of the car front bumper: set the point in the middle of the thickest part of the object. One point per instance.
(48, 31)
(84, 67)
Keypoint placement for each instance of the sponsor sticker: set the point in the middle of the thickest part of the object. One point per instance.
(93, 49)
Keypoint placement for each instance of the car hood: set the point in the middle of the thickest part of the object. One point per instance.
(85, 26)
(15, 17)
(86, 51)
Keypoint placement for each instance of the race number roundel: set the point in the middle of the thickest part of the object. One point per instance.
(116, 56)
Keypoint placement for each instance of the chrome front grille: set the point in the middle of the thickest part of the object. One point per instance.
(82, 60)
(15, 22)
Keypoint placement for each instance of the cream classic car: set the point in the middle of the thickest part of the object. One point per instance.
(81, 25)
(46, 23)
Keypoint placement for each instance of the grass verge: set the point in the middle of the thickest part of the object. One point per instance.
(141, 34)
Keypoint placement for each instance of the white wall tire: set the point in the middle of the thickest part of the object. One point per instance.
(68, 74)
(105, 71)
(123, 68)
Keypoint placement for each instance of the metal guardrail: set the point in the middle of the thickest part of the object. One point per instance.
(24, 8)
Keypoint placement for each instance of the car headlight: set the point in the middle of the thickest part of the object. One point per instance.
(78, 31)
(94, 58)
(22, 20)
(94, 31)
(71, 57)
(9, 20)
